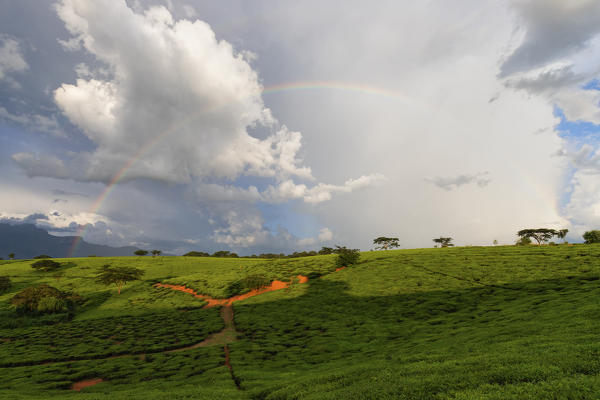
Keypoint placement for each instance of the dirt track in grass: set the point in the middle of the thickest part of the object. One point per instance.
(212, 302)
(77, 386)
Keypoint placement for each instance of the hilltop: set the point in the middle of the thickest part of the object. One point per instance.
(454, 323)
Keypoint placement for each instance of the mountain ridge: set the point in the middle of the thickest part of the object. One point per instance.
(28, 241)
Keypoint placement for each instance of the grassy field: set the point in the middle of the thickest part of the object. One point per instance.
(456, 323)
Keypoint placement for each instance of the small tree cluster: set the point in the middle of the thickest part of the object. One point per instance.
(346, 257)
(43, 299)
(45, 265)
(444, 241)
(5, 283)
(591, 237)
(196, 254)
(156, 253)
(524, 241)
(140, 252)
(224, 253)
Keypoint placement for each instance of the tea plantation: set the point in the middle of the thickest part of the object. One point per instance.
(449, 323)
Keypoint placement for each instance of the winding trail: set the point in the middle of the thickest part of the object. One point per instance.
(229, 333)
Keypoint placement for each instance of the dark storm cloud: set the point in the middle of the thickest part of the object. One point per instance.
(554, 29)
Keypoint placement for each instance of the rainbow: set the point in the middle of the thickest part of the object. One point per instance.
(340, 86)
(279, 88)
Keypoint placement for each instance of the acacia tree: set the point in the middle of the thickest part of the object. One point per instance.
(156, 253)
(444, 241)
(385, 243)
(562, 233)
(539, 234)
(11, 256)
(118, 276)
(140, 252)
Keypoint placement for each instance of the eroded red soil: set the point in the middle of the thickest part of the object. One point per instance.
(212, 302)
(87, 383)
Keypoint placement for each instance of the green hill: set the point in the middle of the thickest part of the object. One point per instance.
(455, 323)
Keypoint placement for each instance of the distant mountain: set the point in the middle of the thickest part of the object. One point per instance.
(28, 241)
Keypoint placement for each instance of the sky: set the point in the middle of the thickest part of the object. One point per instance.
(287, 126)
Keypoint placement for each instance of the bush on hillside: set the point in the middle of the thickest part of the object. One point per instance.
(41, 257)
(591, 237)
(5, 283)
(196, 254)
(224, 253)
(524, 241)
(346, 257)
(255, 282)
(43, 299)
(246, 284)
(45, 265)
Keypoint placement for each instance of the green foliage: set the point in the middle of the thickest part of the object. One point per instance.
(346, 257)
(11, 256)
(246, 284)
(156, 253)
(5, 284)
(196, 254)
(386, 243)
(50, 305)
(41, 298)
(562, 234)
(251, 282)
(591, 237)
(326, 250)
(41, 257)
(118, 276)
(224, 253)
(45, 265)
(140, 252)
(444, 241)
(524, 241)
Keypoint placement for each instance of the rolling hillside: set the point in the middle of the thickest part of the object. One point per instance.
(460, 323)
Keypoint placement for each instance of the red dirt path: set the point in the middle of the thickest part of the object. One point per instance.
(87, 383)
(212, 302)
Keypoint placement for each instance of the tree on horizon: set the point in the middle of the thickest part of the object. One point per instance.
(444, 241)
(540, 235)
(385, 243)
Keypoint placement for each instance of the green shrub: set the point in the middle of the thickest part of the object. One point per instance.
(5, 283)
(41, 257)
(45, 265)
(346, 257)
(196, 254)
(49, 305)
(524, 241)
(592, 237)
(246, 284)
(255, 282)
(28, 300)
